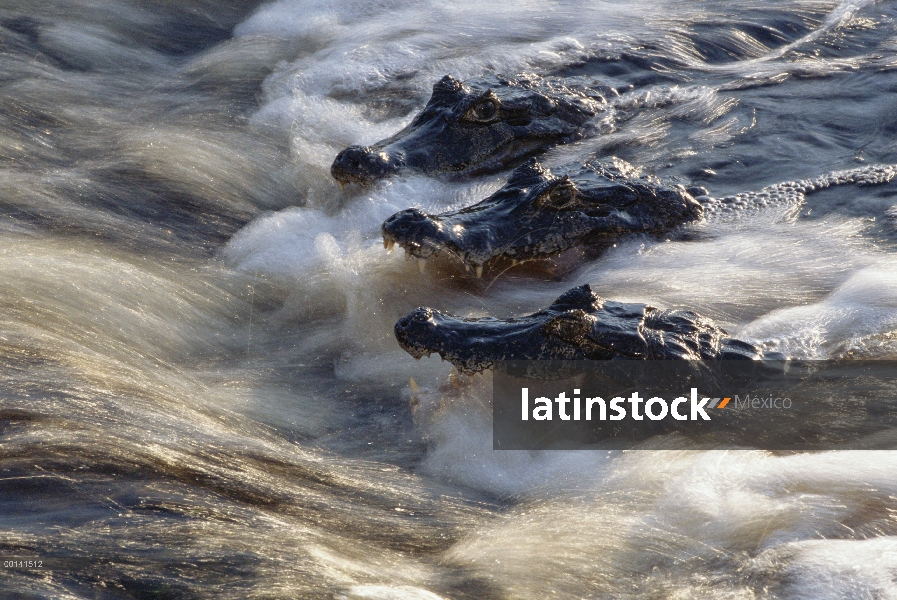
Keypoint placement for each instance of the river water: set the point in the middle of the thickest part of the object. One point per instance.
(201, 393)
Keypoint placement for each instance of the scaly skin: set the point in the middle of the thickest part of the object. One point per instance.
(579, 325)
(479, 126)
(538, 214)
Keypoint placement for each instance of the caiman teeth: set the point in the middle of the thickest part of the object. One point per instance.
(467, 267)
(389, 245)
(407, 254)
(422, 265)
(479, 271)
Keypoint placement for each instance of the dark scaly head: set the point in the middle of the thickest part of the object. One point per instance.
(538, 214)
(578, 325)
(476, 233)
(480, 126)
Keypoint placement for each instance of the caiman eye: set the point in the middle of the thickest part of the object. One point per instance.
(482, 112)
(560, 197)
(572, 326)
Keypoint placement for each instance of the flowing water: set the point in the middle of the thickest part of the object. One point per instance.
(201, 393)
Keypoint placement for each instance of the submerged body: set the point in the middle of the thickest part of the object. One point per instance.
(578, 325)
(482, 125)
(538, 214)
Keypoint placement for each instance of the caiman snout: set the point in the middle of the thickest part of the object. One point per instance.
(416, 231)
(362, 165)
(410, 223)
(415, 319)
(415, 332)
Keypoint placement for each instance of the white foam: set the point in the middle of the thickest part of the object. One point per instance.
(742, 270)
(693, 522)
(862, 307)
(831, 569)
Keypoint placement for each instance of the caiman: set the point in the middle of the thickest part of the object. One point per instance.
(482, 125)
(540, 214)
(578, 325)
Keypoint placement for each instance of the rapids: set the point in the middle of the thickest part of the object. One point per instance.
(201, 395)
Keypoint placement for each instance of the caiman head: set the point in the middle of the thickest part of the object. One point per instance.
(538, 215)
(479, 126)
(579, 325)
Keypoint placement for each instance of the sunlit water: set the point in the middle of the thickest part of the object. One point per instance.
(200, 386)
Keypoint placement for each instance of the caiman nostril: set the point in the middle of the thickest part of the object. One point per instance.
(408, 224)
(362, 165)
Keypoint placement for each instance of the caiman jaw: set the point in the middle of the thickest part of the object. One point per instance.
(414, 251)
(405, 227)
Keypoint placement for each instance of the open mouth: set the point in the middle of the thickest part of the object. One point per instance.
(422, 253)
